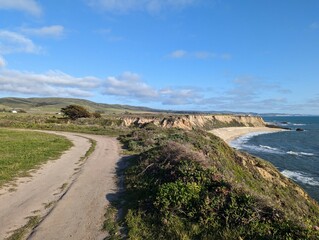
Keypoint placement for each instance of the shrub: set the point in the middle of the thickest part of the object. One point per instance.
(75, 111)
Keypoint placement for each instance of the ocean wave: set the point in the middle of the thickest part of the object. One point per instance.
(299, 124)
(300, 153)
(262, 148)
(301, 177)
(293, 153)
(268, 147)
(307, 154)
(240, 142)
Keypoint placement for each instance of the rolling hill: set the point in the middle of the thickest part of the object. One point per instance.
(49, 105)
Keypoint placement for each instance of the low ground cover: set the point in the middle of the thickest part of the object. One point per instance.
(191, 185)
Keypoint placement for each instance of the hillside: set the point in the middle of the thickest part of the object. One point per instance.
(51, 105)
(191, 185)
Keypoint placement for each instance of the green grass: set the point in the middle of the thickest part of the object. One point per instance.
(111, 225)
(22, 151)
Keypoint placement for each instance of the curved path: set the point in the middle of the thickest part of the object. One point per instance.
(68, 194)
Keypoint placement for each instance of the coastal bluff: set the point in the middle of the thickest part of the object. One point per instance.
(189, 122)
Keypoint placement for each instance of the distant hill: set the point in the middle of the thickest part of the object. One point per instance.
(50, 105)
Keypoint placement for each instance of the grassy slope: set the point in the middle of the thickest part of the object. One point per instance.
(22, 151)
(191, 185)
(55, 104)
(103, 126)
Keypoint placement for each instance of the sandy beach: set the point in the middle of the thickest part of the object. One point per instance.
(230, 133)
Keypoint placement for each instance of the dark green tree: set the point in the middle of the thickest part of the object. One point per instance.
(75, 111)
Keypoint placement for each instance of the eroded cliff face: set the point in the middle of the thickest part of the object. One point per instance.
(189, 122)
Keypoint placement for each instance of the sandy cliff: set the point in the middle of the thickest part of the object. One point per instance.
(195, 121)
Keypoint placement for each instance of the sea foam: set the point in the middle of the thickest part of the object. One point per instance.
(240, 142)
(300, 153)
(301, 177)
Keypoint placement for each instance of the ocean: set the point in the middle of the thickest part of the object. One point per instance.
(294, 153)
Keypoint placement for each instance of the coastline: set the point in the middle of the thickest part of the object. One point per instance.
(229, 134)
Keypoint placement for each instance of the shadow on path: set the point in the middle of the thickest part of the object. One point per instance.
(116, 199)
(120, 168)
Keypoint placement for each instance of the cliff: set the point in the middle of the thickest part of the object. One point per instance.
(189, 122)
(192, 185)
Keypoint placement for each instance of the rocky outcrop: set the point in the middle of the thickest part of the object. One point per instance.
(189, 122)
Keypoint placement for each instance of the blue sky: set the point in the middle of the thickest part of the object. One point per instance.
(210, 55)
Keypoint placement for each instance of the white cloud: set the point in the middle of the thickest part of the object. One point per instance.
(29, 6)
(11, 42)
(314, 25)
(226, 56)
(202, 55)
(52, 83)
(2, 62)
(129, 85)
(142, 5)
(249, 94)
(245, 93)
(178, 54)
(108, 34)
(47, 31)
(180, 96)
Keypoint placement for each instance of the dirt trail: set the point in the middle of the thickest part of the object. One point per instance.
(69, 193)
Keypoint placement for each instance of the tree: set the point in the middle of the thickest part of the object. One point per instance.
(75, 111)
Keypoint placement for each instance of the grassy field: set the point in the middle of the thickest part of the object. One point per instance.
(22, 151)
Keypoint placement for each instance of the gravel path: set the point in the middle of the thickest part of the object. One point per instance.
(68, 194)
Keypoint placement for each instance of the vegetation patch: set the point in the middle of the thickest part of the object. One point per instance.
(22, 151)
(191, 185)
(23, 231)
(110, 126)
(111, 224)
(90, 150)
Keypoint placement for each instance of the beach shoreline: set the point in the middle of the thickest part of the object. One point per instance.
(229, 134)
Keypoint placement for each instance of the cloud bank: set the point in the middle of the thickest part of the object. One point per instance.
(314, 26)
(179, 54)
(12, 42)
(129, 86)
(245, 94)
(2, 62)
(51, 83)
(139, 5)
(28, 6)
(47, 31)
